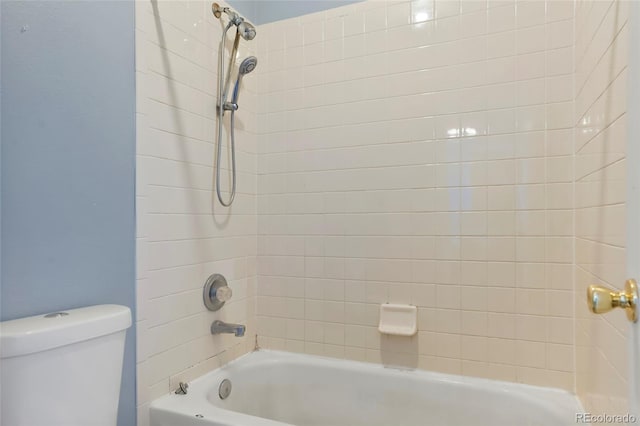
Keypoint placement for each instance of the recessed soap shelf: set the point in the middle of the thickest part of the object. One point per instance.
(398, 320)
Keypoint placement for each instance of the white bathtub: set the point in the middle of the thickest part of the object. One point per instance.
(275, 388)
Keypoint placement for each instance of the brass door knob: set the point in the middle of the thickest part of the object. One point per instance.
(603, 299)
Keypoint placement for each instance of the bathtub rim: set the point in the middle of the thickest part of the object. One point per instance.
(197, 400)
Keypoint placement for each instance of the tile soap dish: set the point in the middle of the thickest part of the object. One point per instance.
(398, 320)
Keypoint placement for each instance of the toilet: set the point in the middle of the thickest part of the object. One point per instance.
(63, 368)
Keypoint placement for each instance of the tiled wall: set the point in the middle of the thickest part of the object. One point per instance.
(600, 173)
(414, 152)
(420, 152)
(184, 235)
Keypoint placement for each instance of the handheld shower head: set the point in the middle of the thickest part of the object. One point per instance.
(248, 65)
(246, 30)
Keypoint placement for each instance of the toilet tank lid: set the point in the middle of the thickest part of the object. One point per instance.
(42, 332)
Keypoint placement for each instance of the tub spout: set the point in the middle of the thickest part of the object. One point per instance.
(220, 327)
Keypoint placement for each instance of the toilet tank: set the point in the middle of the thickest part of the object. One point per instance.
(63, 369)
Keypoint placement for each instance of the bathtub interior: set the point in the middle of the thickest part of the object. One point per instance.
(311, 391)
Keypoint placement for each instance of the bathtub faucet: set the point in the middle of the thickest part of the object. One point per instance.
(219, 327)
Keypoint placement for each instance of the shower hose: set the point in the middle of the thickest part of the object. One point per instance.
(220, 125)
(233, 159)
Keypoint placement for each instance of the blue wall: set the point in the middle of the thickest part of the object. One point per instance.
(67, 162)
(264, 11)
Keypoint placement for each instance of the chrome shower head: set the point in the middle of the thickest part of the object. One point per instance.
(246, 30)
(248, 65)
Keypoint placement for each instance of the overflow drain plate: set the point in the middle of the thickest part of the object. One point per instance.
(225, 389)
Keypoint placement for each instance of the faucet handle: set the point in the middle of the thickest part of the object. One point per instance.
(223, 294)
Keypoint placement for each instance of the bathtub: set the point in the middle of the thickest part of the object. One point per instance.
(276, 389)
